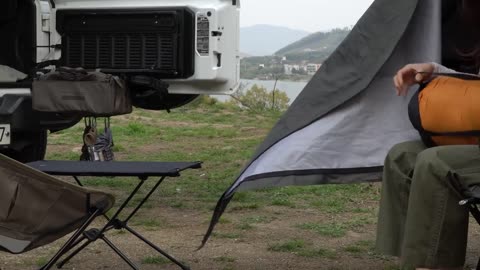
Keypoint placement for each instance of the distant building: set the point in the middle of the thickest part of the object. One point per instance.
(310, 69)
(290, 68)
(313, 68)
(261, 66)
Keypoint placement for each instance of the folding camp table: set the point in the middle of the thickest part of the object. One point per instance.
(142, 170)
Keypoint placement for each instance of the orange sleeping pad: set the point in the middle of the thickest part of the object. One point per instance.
(446, 111)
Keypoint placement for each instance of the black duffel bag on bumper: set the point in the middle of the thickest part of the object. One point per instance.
(76, 91)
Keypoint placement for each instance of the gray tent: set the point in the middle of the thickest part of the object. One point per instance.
(342, 125)
(37, 209)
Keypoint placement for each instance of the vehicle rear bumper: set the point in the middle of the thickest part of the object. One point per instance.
(16, 110)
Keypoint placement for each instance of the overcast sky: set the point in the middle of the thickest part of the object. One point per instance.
(309, 15)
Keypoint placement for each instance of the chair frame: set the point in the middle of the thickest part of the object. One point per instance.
(69, 244)
(472, 204)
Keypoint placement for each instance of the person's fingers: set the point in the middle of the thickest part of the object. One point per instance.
(425, 71)
(404, 82)
(410, 75)
(419, 77)
(405, 78)
(397, 85)
(400, 76)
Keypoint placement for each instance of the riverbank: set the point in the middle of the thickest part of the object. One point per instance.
(292, 89)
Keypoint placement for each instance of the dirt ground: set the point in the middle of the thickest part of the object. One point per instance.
(184, 232)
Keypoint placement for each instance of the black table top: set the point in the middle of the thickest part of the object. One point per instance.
(113, 168)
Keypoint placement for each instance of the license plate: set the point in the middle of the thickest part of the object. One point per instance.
(5, 134)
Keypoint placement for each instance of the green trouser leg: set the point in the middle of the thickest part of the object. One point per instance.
(396, 181)
(420, 219)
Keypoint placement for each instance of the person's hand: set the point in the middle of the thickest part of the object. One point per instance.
(412, 74)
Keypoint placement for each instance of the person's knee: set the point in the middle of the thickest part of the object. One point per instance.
(429, 163)
(446, 155)
(401, 149)
(400, 161)
(428, 155)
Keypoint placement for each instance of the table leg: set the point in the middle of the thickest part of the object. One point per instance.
(181, 265)
(145, 199)
(78, 181)
(125, 203)
(119, 253)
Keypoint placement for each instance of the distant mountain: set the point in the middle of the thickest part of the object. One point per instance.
(244, 55)
(325, 42)
(259, 40)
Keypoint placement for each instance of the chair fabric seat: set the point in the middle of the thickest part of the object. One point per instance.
(37, 209)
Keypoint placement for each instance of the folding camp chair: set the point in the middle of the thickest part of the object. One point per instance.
(142, 170)
(472, 201)
(37, 209)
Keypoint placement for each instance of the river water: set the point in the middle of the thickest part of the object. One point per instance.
(292, 89)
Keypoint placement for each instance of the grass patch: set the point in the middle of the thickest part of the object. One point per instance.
(245, 226)
(300, 248)
(318, 253)
(135, 129)
(283, 202)
(331, 205)
(330, 230)
(224, 220)
(247, 206)
(258, 219)
(157, 260)
(139, 198)
(361, 247)
(124, 184)
(41, 261)
(353, 249)
(224, 259)
(337, 229)
(290, 246)
(360, 222)
(178, 205)
(66, 155)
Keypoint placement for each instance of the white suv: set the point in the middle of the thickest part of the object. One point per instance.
(169, 52)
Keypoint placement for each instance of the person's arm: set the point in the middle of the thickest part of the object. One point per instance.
(437, 68)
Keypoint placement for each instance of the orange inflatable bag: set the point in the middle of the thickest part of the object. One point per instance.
(446, 110)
